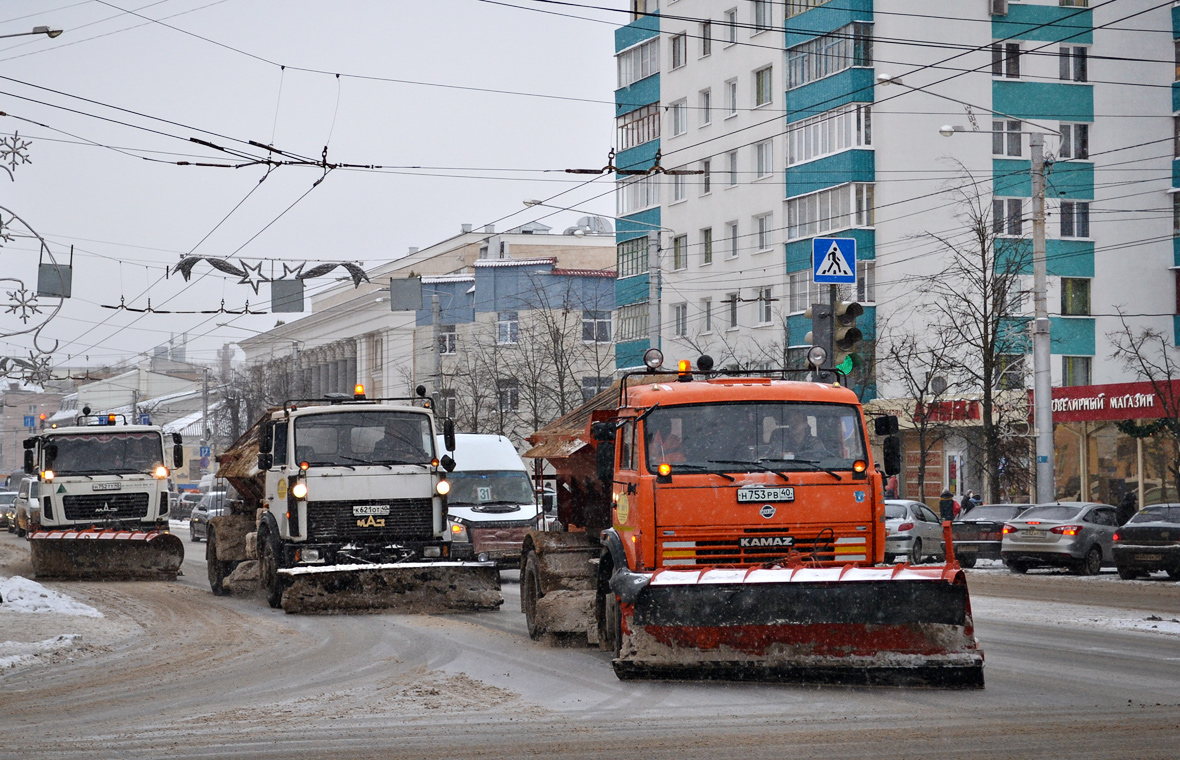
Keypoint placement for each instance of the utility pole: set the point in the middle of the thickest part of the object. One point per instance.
(1042, 379)
(436, 369)
(653, 289)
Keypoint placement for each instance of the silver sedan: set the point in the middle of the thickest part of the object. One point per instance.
(912, 531)
(1074, 534)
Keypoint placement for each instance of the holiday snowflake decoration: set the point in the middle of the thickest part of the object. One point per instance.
(23, 303)
(251, 274)
(27, 310)
(14, 151)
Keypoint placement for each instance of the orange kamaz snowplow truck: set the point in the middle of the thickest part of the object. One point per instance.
(717, 526)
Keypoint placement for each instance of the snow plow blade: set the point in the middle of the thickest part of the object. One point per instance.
(879, 625)
(418, 587)
(105, 555)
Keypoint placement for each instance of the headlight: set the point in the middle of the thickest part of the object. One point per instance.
(161, 472)
(299, 490)
(443, 487)
(458, 531)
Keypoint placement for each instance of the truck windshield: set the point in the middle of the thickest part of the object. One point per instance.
(490, 487)
(754, 436)
(99, 453)
(347, 439)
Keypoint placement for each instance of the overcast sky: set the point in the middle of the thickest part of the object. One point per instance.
(113, 103)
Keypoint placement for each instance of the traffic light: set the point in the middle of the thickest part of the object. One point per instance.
(820, 337)
(846, 335)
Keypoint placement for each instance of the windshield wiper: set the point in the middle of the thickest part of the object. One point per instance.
(757, 464)
(812, 463)
(699, 468)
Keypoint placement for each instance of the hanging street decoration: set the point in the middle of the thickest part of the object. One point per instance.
(122, 306)
(251, 274)
(14, 151)
(26, 310)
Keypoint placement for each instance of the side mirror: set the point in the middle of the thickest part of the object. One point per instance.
(29, 464)
(265, 461)
(885, 425)
(605, 463)
(177, 439)
(449, 435)
(603, 432)
(177, 454)
(447, 463)
(891, 449)
(50, 455)
(266, 438)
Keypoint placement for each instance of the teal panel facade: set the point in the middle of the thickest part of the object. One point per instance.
(1069, 258)
(798, 252)
(1045, 23)
(829, 171)
(1071, 336)
(1044, 101)
(797, 327)
(1070, 179)
(637, 225)
(1014, 336)
(639, 30)
(848, 86)
(631, 289)
(637, 95)
(630, 354)
(1176, 327)
(1175, 96)
(1012, 177)
(827, 18)
(639, 157)
(1176, 251)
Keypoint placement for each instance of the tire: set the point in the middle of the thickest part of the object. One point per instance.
(968, 561)
(916, 552)
(612, 621)
(1017, 567)
(192, 534)
(530, 593)
(1174, 573)
(1127, 573)
(218, 571)
(268, 573)
(1092, 562)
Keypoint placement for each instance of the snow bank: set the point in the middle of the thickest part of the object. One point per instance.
(17, 652)
(23, 595)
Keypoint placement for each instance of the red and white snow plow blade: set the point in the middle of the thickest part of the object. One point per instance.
(878, 625)
(105, 555)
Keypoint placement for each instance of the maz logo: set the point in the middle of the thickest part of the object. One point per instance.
(372, 522)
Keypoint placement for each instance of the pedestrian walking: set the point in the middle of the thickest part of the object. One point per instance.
(946, 506)
(1127, 507)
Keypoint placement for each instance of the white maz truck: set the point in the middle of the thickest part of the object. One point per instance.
(102, 506)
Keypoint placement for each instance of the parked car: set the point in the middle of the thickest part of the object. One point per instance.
(27, 505)
(1149, 541)
(212, 504)
(912, 530)
(184, 508)
(978, 532)
(1074, 534)
(8, 510)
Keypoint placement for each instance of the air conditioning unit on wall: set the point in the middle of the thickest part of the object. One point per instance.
(999, 7)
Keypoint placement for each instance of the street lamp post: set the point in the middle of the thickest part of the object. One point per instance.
(50, 33)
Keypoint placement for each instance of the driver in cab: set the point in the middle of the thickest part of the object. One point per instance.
(400, 443)
(797, 439)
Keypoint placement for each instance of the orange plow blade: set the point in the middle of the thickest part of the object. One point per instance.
(878, 625)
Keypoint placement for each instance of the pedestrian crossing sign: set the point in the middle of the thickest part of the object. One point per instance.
(833, 261)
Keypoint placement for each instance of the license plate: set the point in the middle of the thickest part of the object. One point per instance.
(751, 541)
(966, 549)
(749, 495)
(363, 510)
(107, 487)
(1149, 557)
(1034, 535)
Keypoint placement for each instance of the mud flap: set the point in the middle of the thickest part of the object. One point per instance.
(897, 626)
(417, 587)
(105, 555)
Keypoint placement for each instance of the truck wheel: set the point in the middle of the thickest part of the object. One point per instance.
(268, 573)
(613, 623)
(218, 570)
(530, 592)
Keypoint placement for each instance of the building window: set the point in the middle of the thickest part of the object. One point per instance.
(1075, 370)
(762, 17)
(866, 281)
(706, 38)
(448, 401)
(706, 107)
(679, 50)
(1008, 216)
(765, 299)
(1176, 137)
(632, 257)
(841, 128)
(799, 291)
(680, 252)
(707, 245)
(507, 328)
(508, 391)
(679, 115)
(732, 234)
(1175, 214)
(1075, 297)
(639, 62)
(733, 168)
(633, 321)
(1012, 372)
(1075, 141)
(636, 194)
(731, 26)
(1006, 60)
(764, 158)
(680, 319)
(821, 57)
(1074, 3)
(1071, 62)
(706, 176)
(732, 300)
(1075, 219)
(831, 209)
(707, 315)
(447, 339)
(595, 326)
(731, 90)
(592, 385)
(679, 186)
(763, 86)
(1006, 138)
(762, 225)
(795, 7)
(638, 127)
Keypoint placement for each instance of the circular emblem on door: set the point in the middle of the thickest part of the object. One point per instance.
(767, 511)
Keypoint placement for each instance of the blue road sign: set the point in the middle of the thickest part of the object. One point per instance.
(833, 261)
(145, 419)
(30, 420)
(206, 451)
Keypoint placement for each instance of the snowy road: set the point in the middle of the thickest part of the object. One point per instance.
(177, 672)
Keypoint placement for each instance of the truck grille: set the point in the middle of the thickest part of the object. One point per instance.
(408, 520)
(722, 551)
(105, 506)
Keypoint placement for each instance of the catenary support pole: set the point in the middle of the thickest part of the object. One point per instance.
(1042, 379)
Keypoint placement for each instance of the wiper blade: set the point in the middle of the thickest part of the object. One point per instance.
(698, 468)
(812, 463)
(758, 464)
